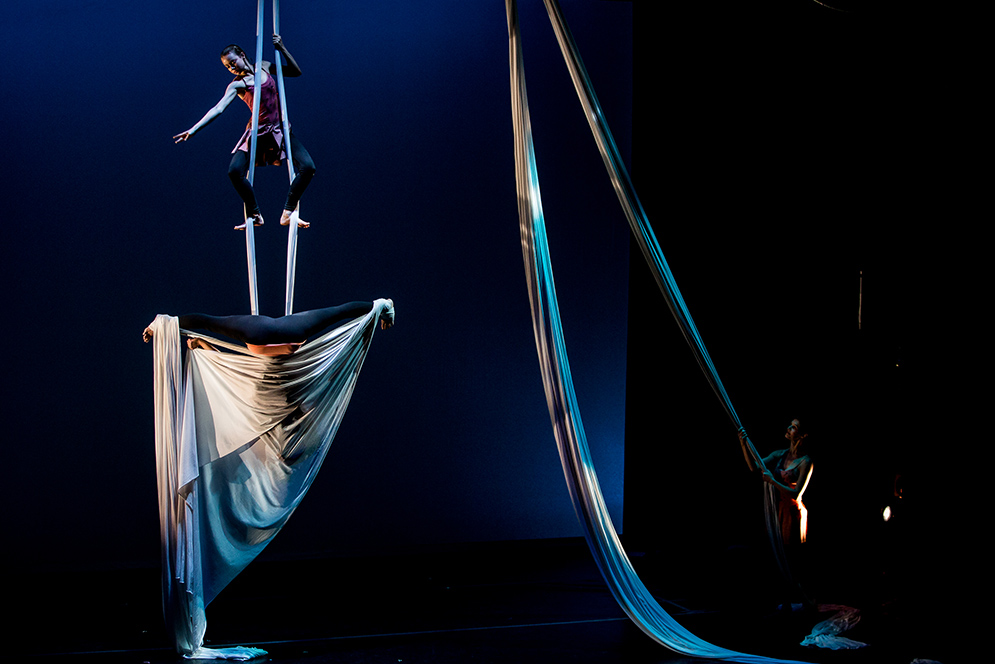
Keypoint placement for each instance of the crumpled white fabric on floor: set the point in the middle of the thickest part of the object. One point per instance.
(239, 439)
(826, 634)
(578, 467)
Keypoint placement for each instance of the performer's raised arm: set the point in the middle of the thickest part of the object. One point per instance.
(291, 68)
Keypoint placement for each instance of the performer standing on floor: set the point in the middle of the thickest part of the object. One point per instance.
(788, 472)
(270, 149)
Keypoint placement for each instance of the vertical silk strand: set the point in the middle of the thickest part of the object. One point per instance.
(292, 227)
(250, 238)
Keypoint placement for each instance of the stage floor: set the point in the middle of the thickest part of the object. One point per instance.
(501, 603)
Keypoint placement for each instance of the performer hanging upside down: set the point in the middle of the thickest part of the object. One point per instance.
(270, 149)
(263, 335)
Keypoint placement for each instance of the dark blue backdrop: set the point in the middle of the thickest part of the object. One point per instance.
(405, 109)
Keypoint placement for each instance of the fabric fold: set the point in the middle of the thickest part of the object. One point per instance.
(239, 440)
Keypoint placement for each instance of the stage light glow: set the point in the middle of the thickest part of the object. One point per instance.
(886, 513)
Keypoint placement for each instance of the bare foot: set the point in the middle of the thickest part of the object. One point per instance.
(257, 220)
(387, 316)
(147, 334)
(193, 343)
(291, 214)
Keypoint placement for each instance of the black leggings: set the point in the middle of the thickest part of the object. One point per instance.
(262, 330)
(303, 164)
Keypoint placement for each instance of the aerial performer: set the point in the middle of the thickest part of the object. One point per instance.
(272, 337)
(787, 472)
(271, 149)
(241, 433)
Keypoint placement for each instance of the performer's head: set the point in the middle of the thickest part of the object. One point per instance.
(795, 433)
(235, 60)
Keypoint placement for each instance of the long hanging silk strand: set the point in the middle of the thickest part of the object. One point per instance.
(292, 230)
(578, 468)
(250, 237)
(654, 257)
(634, 210)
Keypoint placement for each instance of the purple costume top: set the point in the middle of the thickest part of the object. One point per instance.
(270, 149)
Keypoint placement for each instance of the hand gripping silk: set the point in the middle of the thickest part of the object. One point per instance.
(239, 439)
(568, 429)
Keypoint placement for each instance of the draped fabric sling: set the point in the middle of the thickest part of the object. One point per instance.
(239, 439)
(582, 482)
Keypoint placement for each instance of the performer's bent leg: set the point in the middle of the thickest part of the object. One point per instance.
(237, 169)
(304, 166)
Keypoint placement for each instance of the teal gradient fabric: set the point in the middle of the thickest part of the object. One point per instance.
(568, 429)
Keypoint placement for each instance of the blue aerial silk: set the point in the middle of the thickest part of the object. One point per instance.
(578, 468)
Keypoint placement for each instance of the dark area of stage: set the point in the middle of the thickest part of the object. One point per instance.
(784, 153)
(531, 602)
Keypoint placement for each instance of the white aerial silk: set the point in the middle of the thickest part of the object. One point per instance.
(295, 216)
(257, 95)
(578, 468)
(239, 439)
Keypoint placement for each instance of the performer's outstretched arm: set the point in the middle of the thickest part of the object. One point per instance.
(230, 93)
